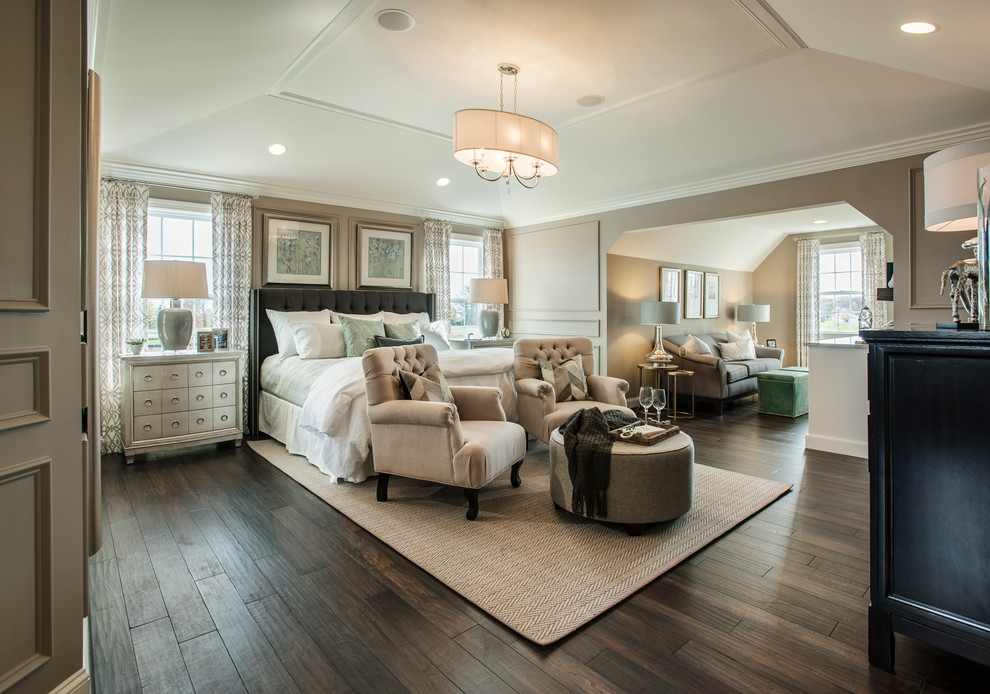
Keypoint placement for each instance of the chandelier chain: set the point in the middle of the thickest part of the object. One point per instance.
(515, 92)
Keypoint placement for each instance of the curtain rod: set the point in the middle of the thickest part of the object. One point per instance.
(835, 234)
(253, 196)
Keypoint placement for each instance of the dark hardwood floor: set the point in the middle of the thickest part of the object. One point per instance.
(220, 574)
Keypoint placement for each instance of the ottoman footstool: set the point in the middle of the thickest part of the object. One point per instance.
(647, 484)
(783, 392)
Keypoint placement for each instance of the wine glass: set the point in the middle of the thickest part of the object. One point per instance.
(659, 401)
(646, 401)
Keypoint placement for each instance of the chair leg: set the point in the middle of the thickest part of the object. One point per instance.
(383, 486)
(515, 474)
(472, 498)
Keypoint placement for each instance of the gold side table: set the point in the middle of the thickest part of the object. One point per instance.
(655, 369)
(674, 385)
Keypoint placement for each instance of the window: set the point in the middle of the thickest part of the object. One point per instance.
(840, 290)
(465, 265)
(180, 231)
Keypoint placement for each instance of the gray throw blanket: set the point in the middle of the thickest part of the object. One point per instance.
(589, 457)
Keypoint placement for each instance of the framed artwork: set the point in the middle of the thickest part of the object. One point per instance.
(771, 342)
(204, 341)
(692, 293)
(711, 294)
(384, 256)
(221, 338)
(296, 250)
(670, 284)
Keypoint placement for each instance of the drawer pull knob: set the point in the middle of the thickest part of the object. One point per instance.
(200, 420)
(223, 418)
(147, 427)
(175, 377)
(223, 395)
(147, 379)
(148, 403)
(199, 374)
(223, 372)
(199, 398)
(175, 401)
(175, 425)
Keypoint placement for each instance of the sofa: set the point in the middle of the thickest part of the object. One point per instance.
(717, 381)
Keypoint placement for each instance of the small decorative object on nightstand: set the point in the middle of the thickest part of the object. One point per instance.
(135, 344)
(172, 401)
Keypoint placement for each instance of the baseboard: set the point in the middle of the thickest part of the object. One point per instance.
(78, 683)
(857, 449)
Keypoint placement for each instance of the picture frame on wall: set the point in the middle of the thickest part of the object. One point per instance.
(384, 256)
(296, 250)
(711, 294)
(670, 284)
(693, 285)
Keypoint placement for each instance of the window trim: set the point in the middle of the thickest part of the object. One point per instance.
(833, 248)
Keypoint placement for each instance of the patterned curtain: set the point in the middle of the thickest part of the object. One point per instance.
(437, 252)
(121, 250)
(232, 240)
(493, 264)
(807, 296)
(871, 245)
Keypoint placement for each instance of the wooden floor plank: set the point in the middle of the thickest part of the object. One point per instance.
(196, 551)
(185, 606)
(142, 594)
(510, 666)
(159, 660)
(209, 665)
(114, 666)
(238, 566)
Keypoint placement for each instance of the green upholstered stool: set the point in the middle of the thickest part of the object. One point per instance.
(783, 392)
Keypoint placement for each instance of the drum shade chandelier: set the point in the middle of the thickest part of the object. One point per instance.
(502, 145)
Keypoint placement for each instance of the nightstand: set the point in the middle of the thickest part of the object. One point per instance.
(178, 399)
(482, 343)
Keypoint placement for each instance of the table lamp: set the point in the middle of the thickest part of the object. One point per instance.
(753, 313)
(656, 313)
(175, 280)
(488, 291)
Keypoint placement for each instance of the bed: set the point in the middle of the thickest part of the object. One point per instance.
(317, 407)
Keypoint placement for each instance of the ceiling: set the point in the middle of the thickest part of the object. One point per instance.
(699, 96)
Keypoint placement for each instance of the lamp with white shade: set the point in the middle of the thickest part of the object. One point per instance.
(175, 280)
(488, 291)
(657, 313)
(753, 313)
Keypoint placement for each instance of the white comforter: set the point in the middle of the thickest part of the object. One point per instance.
(336, 407)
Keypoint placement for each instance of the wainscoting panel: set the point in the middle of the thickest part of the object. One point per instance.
(535, 327)
(555, 269)
(26, 548)
(25, 378)
(25, 141)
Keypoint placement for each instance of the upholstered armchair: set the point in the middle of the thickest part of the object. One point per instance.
(455, 435)
(536, 399)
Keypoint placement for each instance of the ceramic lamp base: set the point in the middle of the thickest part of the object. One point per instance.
(489, 322)
(175, 328)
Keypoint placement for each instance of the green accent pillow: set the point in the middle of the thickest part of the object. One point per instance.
(431, 386)
(402, 331)
(567, 379)
(359, 335)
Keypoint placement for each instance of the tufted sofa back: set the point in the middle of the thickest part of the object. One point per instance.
(382, 365)
(527, 353)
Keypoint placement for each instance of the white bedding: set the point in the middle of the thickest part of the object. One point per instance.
(334, 413)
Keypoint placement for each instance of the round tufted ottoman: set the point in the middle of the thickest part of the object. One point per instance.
(647, 484)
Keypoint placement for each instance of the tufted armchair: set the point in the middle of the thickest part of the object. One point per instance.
(465, 443)
(539, 412)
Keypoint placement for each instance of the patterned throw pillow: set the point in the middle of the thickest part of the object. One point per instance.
(567, 379)
(430, 386)
(359, 335)
(737, 351)
(696, 347)
(391, 342)
(402, 331)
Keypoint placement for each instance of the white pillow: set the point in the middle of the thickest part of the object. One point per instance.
(737, 351)
(283, 331)
(422, 319)
(434, 337)
(335, 317)
(318, 341)
(696, 347)
(732, 337)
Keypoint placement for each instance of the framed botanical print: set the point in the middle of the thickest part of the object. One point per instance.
(296, 250)
(384, 256)
(711, 295)
(670, 284)
(692, 293)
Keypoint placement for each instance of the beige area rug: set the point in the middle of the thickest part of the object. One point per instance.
(540, 571)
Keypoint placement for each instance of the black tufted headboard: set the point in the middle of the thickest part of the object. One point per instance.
(262, 338)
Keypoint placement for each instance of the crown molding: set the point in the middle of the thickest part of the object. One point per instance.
(858, 157)
(207, 183)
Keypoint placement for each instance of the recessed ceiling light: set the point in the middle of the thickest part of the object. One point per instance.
(276, 149)
(919, 27)
(395, 20)
(591, 100)
(820, 221)
(443, 181)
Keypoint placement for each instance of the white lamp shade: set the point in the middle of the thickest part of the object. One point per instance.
(489, 137)
(950, 186)
(174, 279)
(660, 312)
(753, 313)
(488, 291)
